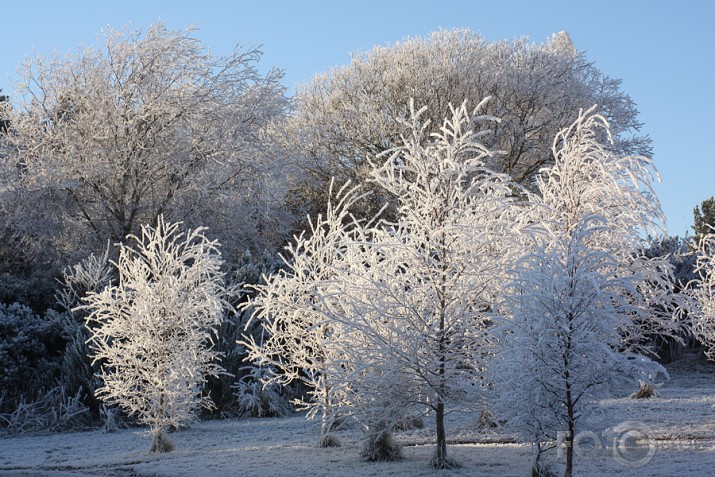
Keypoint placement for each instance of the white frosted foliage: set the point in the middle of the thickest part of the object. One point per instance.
(301, 339)
(702, 291)
(584, 301)
(413, 295)
(152, 333)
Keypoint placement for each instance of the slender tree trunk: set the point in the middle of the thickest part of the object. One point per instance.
(572, 428)
(441, 457)
(569, 452)
(326, 439)
(569, 400)
(325, 425)
(160, 443)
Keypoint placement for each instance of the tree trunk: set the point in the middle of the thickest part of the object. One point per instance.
(327, 439)
(440, 460)
(159, 441)
(572, 428)
(569, 453)
(325, 425)
(441, 457)
(570, 414)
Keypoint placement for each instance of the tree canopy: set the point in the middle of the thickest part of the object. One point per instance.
(149, 123)
(351, 113)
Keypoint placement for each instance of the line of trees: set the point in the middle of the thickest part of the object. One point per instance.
(109, 137)
(476, 285)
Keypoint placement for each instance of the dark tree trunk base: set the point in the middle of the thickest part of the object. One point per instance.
(160, 442)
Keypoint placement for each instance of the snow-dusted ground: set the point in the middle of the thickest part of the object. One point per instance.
(680, 424)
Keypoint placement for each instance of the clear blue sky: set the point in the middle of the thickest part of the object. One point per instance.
(664, 51)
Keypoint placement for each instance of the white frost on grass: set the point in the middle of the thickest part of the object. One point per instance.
(682, 420)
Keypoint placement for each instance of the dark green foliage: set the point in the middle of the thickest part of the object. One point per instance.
(78, 373)
(704, 218)
(222, 389)
(249, 270)
(260, 397)
(35, 289)
(4, 122)
(677, 251)
(30, 348)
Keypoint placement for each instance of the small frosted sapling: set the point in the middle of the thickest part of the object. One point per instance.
(153, 331)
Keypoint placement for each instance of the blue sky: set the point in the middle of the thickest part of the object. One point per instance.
(664, 51)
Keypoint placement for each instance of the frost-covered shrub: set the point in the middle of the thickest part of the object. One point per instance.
(379, 446)
(92, 274)
(52, 411)
(677, 252)
(702, 294)
(329, 440)
(646, 390)
(110, 419)
(260, 395)
(542, 470)
(30, 345)
(486, 421)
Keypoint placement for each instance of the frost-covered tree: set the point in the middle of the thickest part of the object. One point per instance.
(148, 123)
(702, 292)
(585, 300)
(677, 251)
(561, 345)
(588, 179)
(152, 332)
(348, 114)
(414, 295)
(301, 340)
